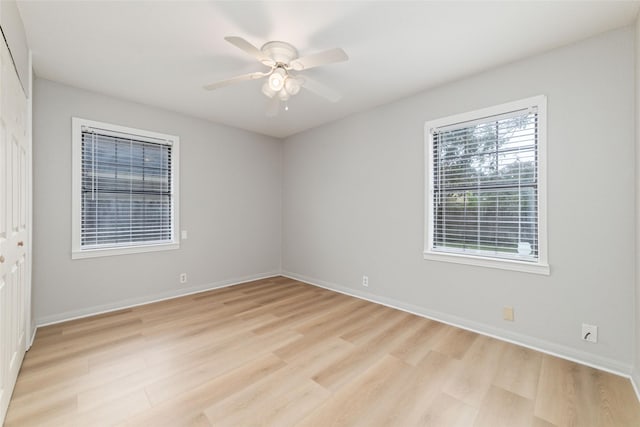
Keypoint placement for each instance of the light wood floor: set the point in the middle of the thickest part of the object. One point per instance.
(277, 352)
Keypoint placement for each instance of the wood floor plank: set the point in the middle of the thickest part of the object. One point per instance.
(363, 356)
(213, 364)
(60, 393)
(411, 392)
(41, 412)
(107, 413)
(287, 302)
(248, 406)
(447, 411)
(188, 407)
(519, 370)
(572, 394)
(421, 341)
(89, 347)
(347, 405)
(299, 314)
(284, 409)
(364, 332)
(455, 342)
(502, 408)
(35, 379)
(277, 352)
(471, 383)
(333, 318)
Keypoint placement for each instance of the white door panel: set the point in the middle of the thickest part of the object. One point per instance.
(4, 347)
(3, 181)
(15, 202)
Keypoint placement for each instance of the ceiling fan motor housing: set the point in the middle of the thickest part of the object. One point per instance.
(281, 52)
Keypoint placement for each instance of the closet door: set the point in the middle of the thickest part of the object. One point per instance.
(14, 202)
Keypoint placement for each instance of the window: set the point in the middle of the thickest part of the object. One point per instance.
(486, 187)
(125, 195)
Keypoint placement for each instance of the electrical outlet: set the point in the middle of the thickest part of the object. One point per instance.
(184, 235)
(589, 333)
(183, 277)
(507, 313)
(365, 281)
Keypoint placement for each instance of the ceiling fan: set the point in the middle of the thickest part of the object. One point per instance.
(283, 80)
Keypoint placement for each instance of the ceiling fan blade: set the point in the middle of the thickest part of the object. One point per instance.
(319, 89)
(244, 45)
(236, 79)
(273, 107)
(321, 58)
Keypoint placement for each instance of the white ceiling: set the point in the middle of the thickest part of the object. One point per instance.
(161, 53)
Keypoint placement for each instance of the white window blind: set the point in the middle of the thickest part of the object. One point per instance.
(127, 189)
(485, 186)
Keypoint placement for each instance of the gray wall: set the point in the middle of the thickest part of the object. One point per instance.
(354, 205)
(230, 203)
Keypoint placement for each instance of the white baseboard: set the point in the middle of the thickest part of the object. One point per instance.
(133, 302)
(635, 381)
(564, 352)
(33, 336)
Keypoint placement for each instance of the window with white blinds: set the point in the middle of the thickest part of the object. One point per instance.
(124, 189)
(485, 187)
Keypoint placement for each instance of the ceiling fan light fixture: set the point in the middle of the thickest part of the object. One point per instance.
(283, 95)
(266, 89)
(277, 78)
(292, 86)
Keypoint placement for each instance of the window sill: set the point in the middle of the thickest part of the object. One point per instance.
(503, 264)
(95, 253)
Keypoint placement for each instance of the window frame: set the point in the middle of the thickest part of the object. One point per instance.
(542, 265)
(77, 251)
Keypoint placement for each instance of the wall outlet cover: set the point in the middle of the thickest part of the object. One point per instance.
(507, 313)
(589, 333)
